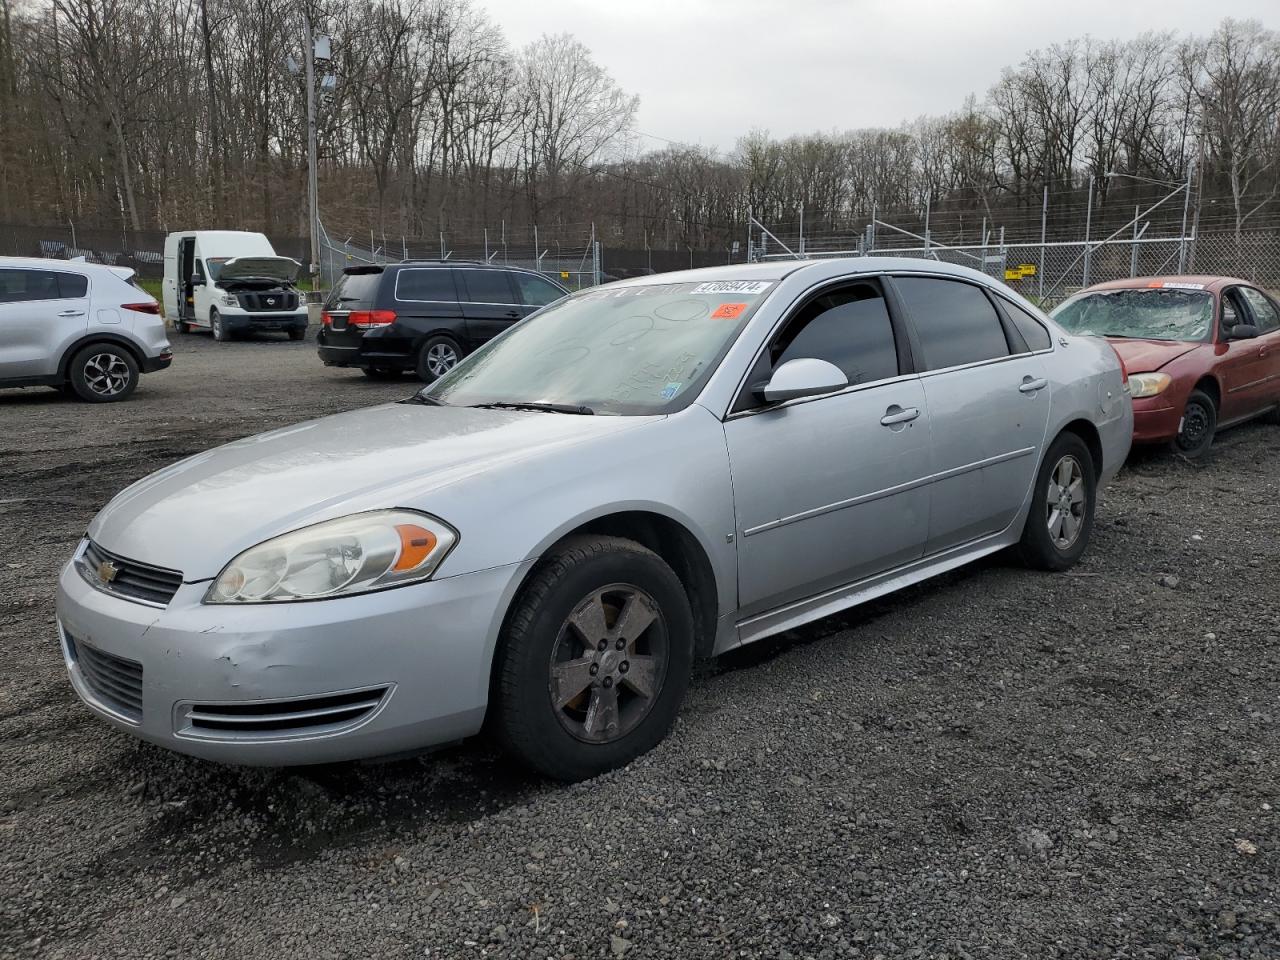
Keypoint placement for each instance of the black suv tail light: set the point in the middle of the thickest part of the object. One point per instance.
(371, 318)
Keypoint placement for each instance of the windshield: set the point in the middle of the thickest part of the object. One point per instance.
(631, 350)
(214, 266)
(1147, 314)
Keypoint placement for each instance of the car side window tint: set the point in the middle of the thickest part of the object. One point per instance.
(849, 327)
(1264, 311)
(487, 286)
(19, 286)
(1230, 314)
(955, 321)
(535, 291)
(1032, 330)
(72, 286)
(429, 284)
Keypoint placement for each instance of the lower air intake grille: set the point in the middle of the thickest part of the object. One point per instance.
(115, 681)
(259, 719)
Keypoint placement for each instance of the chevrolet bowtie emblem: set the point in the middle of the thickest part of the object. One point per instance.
(107, 571)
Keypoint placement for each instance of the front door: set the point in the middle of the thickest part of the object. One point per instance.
(489, 303)
(39, 311)
(830, 490)
(988, 400)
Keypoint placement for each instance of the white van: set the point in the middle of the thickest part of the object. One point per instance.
(229, 282)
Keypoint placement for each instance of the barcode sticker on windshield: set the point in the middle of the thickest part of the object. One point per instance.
(1173, 285)
(749, 287)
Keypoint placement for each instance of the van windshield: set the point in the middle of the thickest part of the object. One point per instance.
(633, 350)
(214, 266)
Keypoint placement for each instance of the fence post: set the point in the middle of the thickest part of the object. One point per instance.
(486, 244)
(801, 237)
(1186, 205)
(537, 250)
(1133, 247)
(1044, 223)
(926, 226)
(1088, 225)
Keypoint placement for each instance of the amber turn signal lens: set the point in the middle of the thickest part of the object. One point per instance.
(416, 544)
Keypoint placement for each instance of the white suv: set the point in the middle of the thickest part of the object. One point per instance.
(69, 323)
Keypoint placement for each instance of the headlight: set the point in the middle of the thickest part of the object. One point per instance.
(356, 554)
(1148, 384)
(230, 301)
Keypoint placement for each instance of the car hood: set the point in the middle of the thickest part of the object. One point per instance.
(1146, 356)
(197, 514)
(282, 269)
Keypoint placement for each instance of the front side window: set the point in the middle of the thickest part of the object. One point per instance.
(1264, 311)
(18, 286)
(486, 286)
(849, 327)
(955, 321)
(535, 291)
(1032, 330)
(633, 350)
(430, 284)
(1145, 313)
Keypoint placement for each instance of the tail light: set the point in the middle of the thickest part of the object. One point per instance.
(371, 318)
(325, 319)
(152, 308)
(1124, 368)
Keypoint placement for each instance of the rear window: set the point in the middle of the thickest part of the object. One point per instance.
(486, 286)
(956, 322)
(426, 284)
(355, 291)
(17, 286)
(1032, 330)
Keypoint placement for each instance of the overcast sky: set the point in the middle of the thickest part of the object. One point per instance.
(709, 70)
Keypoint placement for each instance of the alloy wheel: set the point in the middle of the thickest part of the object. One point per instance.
(1065, 505)
(106, 374)
(441, 358)
(609, 663)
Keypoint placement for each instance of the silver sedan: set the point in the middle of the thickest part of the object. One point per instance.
(546, 538)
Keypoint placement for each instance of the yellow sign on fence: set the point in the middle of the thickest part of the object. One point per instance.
(1021, 271)
(564, 274)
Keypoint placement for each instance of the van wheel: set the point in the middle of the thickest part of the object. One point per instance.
(438, 356)
(594, 660)
(103, 372)
(1199, 422)
(1062, 506)
(220, 332)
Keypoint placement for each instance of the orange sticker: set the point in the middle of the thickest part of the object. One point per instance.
(728, 311)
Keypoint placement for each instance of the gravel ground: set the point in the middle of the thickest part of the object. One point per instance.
(996, 764)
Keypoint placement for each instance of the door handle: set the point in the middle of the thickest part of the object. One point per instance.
(71, 313)
(896, 414)
(1032, 384)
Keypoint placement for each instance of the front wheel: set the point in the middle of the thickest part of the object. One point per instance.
(1197, 427)
(594, 660)
(220, 331)
(1062, 506)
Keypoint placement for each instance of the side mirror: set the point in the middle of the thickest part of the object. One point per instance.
(197, 280)
(803, 377)
(1243, 331)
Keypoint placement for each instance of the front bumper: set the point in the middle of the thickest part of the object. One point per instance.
(1156, 419)
(237, 321)
(417, 657)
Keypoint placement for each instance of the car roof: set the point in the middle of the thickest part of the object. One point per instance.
(1208, 282)
(49, 263)
(427, 264)
(779, 269)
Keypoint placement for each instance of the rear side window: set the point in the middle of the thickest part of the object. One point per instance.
(355, 291)
(1032, 330)
(1264, 311)
(72, 286)
(535, 291)
(18, 286)
(956, 322)
(486, 286)
(426, 284)
(849, 327)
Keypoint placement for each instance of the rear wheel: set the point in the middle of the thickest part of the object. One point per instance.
(220, 331)
(594, 660)
(1062, 505)
(438, 356)
(103, 372)
(1199, 422)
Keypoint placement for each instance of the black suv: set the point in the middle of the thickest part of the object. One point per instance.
(424, 315)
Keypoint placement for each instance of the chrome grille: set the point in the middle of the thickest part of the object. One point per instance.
(129, 578)
(115, 681)
(258, 719)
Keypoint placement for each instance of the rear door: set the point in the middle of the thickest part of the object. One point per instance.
(1244, 363)
(1266, 317)
(988, 400)
(489, 302)
(40, 312)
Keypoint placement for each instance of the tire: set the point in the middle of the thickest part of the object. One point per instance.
(220, 332)
(103, 373)
(1197, 426)
(380, 373)
(298, 334)
(181, 326)
(543, 655)
(1050, 539)
(433, 358)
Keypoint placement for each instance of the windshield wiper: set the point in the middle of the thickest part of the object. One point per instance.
(541, 407)
(424, 399)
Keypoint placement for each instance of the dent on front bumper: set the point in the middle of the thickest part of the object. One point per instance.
(290, 683)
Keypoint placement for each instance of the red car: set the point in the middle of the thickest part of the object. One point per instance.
(1202, 353)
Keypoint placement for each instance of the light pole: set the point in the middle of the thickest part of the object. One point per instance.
(313, 48)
